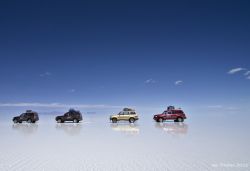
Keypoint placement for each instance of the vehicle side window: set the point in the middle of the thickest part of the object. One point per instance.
(132, 113)
(169, 112)
(121, 113)
(178, 112)
(126, 113)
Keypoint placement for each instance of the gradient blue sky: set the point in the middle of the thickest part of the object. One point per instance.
(133, 53)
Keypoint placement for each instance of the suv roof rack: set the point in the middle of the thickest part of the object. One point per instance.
(128, 109)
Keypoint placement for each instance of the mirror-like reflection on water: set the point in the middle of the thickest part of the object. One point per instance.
(25, 128)
(127, 128)
(69, 128)
(173, 128)
(199, 143)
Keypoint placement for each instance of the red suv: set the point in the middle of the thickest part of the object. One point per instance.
(171, 114)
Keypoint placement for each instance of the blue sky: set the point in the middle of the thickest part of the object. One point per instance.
(124, 53)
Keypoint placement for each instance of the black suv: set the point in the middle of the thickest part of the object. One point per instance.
(29, 116)
(71, 115)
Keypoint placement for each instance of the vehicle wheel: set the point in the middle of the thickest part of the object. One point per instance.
(29, 121)
(160, 120)
(131, 120)
(114, 120)
(59, 120)
(180, 119)
(15, 121)
(75, 121)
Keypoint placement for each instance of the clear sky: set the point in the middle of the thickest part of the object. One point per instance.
(125, 53)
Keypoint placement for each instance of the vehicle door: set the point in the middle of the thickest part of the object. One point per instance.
(169, 114)
(126, 115)
(67, 116)
(164, 115)
(121, 116)
(174, 115)
(30, 116)
(23, 117)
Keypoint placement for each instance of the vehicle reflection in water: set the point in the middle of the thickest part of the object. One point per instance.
(69, 128)
(127, 128)
(25, 128)
(173, 128)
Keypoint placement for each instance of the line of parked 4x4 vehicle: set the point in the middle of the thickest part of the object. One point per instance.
(127, 114)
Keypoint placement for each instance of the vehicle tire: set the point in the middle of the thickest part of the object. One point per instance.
(29, 121)
(114, 120)
(131, 120)
(160, 120)
(15, 121)
(59, 121)
(75, 121)
(180, 119)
